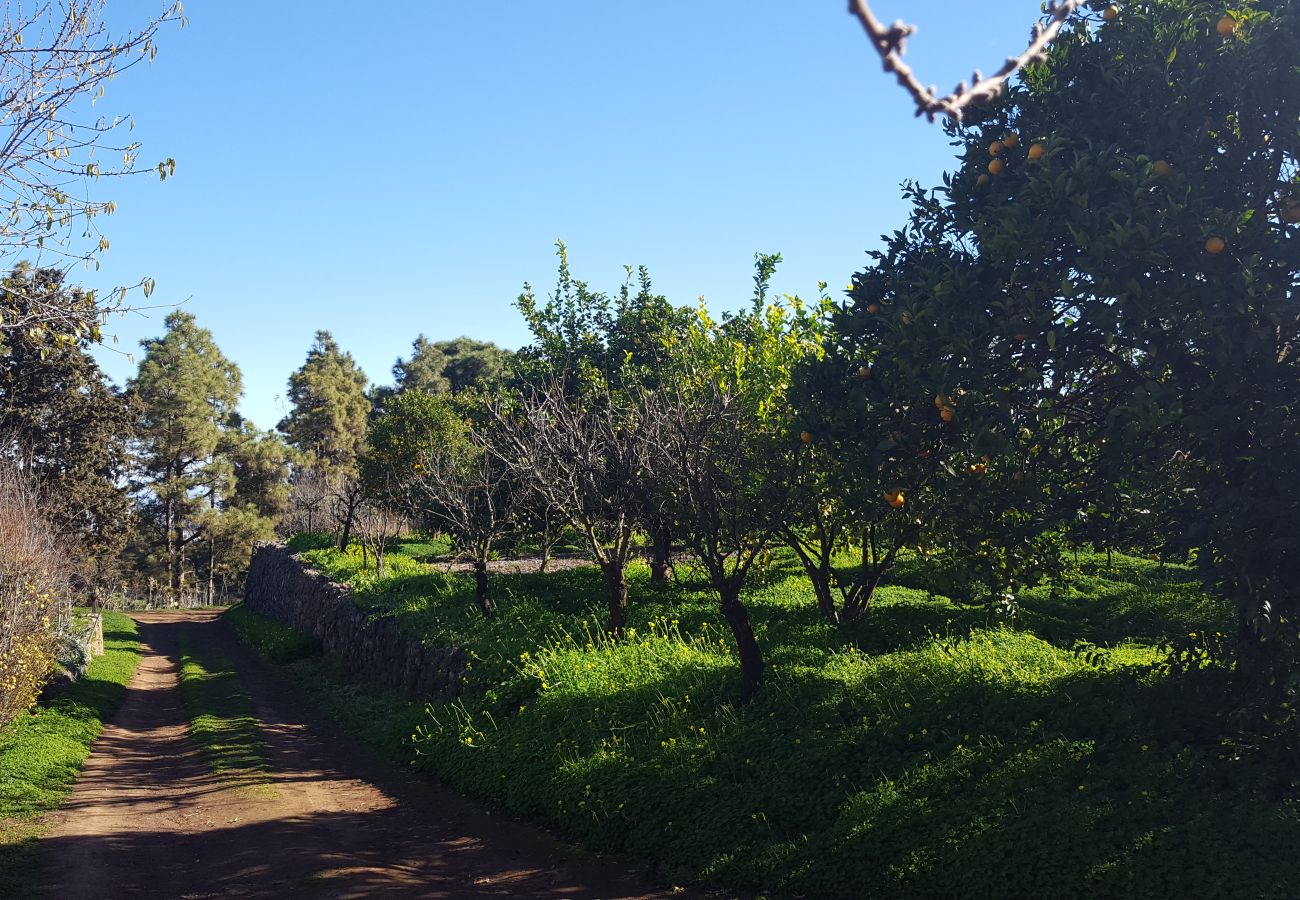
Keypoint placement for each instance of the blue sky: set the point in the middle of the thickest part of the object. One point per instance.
(386, 169)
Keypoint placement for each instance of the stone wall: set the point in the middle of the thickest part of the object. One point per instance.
(283, 587)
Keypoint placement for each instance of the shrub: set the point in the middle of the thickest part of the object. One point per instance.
(33, 592)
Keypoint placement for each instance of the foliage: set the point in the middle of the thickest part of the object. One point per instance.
(222, 720)
(914, 752)
(34, 589)
(730, 454)
(278, 643)
(441, 367)
(330, 409)
(186, 392)
(64, 424)
(42, 751)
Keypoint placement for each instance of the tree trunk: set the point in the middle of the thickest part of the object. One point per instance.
(347, 531)
(481, 589)
(751, 658)
(661, 553)
(820, 576)
(212, 559)
(616, 594)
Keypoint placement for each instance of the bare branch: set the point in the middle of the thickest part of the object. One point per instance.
(889, 42)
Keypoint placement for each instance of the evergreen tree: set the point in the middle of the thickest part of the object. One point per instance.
(423, 371)
(187, 392)
(65, 423)
(328, 422)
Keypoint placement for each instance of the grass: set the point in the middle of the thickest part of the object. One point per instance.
(924, 751)
(41, 752)
(222, 719)
(269, 638)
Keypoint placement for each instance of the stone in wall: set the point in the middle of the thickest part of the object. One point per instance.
(283, 587)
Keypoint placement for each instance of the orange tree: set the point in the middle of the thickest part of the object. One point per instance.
(930, 420)
(1121, 247)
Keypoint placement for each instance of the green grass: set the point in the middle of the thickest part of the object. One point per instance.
(269, 638)
(924, 751)
(222, 719)
(41, 752)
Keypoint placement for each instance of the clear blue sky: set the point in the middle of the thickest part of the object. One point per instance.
(385, 169)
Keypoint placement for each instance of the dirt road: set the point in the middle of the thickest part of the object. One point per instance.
(148, 819)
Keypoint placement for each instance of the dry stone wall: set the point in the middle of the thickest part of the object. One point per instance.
(283, 587)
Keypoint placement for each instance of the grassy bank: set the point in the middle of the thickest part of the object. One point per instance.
(922, 752)
(222, 719)
(41, 752)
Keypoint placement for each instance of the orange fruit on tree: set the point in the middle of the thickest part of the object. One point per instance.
(1160, 168)
(1018, 476)
(806, 437)
(864, 372)
(997, 166)
(939, 402)
(1214, 245)
(996, 148)
(1110, 13)
(947, 414)
(873, 308)
(1226, 26)
(1011, 139)
(1037, 150)
(982, 181)
(894, 497)
(905, 318)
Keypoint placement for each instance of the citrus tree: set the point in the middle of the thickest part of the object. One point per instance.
(730, 448)
(1121, 238)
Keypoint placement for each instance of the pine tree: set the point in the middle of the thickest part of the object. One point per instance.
(328, 421)
(187, 392)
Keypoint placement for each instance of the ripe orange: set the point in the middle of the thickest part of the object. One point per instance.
(806, 437)
(873, 308)
(1018, 476)
(1160, 168)
(1037, 151)
(1011, 139)
(1110, 13)
(996, 148)
(978, 468)
(1226, 26)
(864, 372)
(982, 181)
(997, 166)
(939, 402)
(894, 497)
(947, 414)
(1214, 245)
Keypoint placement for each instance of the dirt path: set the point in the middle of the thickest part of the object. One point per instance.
(148, 819)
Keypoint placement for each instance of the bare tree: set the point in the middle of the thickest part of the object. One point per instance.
(889, 42)
(56, 59)
(376, 525)
(591, 457)
(728, 486)
(307, 498)
(462, 483)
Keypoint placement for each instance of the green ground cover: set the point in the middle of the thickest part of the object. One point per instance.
(42, 751)
(925, 751)
(223, 721)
